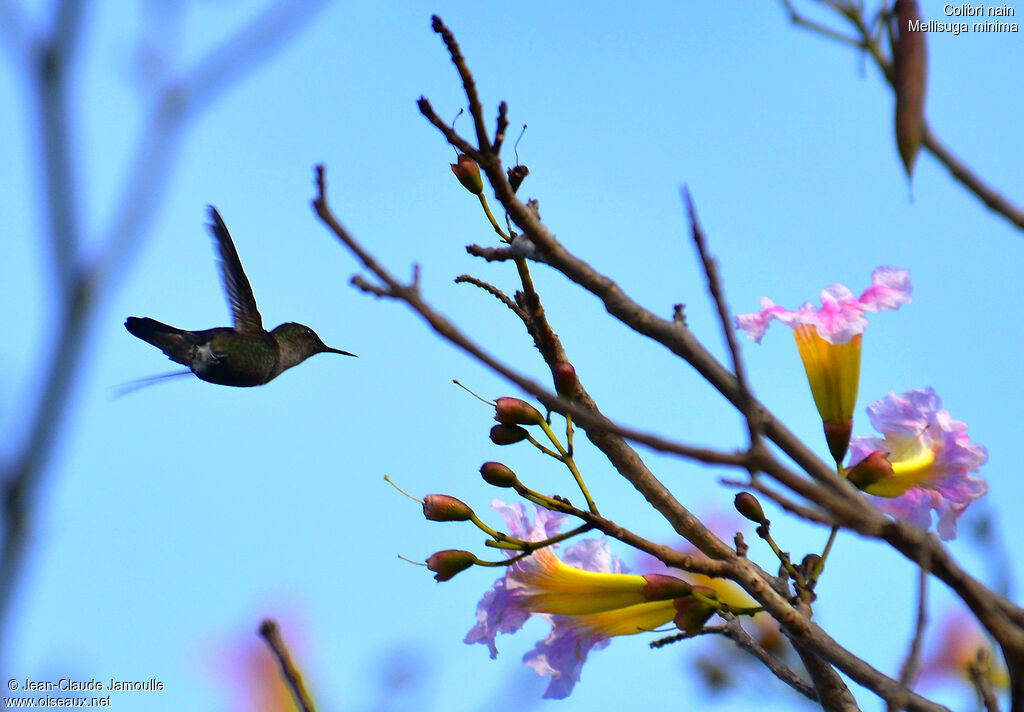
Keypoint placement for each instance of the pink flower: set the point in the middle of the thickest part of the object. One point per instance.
(829, 342)
(930, 457)
(586, 596)
(841, 315)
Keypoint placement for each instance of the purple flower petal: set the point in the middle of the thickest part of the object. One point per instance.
(913, 423)
(841, 315)
(561, 655)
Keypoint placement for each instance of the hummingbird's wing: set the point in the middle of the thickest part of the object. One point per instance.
(244, 314)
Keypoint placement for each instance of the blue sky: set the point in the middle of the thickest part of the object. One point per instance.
(173, 519)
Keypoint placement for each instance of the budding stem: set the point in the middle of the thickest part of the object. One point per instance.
(820, 566)
(490, 216)
(762, 531)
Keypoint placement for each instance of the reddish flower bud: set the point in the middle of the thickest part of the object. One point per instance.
(449, 562)
(747, 505)
(497, 474)
(444, 508)
(515, 411)
(565, 379)
(468, 173)
(873, 468)
(507, 434)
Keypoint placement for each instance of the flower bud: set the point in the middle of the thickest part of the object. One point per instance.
(565, 379)
(449, 562)
(444, 508)
(468, 173)
(662, 587)
(497, 474)
(873, 468)
(747, 505)
(810, 564)
(507, 434)
(515, 411)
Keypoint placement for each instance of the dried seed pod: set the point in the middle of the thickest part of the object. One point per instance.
(910, 79)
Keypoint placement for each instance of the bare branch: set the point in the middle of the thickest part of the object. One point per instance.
(980, 670)
(911, 667)
(493, 291)
(816, 27)
(747, 402)
(468, 83)
(736, 633)
(971, 180)
(833, 694)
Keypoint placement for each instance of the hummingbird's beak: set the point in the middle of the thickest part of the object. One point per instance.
(329, 350)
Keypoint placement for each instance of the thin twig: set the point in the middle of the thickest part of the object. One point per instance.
(271, 633)
(797, 19)
(746, 404)
(493, 291)
(738, 634)
(468, 83)
(979, 670)
(911, 667)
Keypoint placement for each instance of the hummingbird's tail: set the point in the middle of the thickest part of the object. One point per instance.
(172, 341)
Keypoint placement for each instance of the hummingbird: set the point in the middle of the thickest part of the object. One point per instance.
(244, 354)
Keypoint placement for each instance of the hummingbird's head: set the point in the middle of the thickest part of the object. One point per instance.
(298, 342)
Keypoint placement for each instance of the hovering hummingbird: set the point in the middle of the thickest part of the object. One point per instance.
(245, 354)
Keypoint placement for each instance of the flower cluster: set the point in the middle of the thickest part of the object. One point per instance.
(921, 462)
(587, 596)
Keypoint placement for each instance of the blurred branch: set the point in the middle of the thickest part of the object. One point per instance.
(81, 284)
(853, 14)
(980, 671)
(53, 62)
(291, 674)
(178, 101)
(738, 634)
(912, 664)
